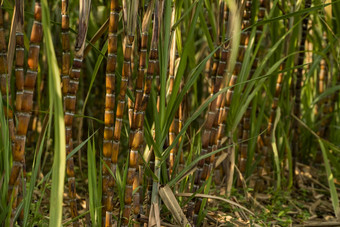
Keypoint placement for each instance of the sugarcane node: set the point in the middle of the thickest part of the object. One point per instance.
(115, 150)
(109, 117)
(37, 11)
(113, 26)
(245, 24)
(68, 118)
(246, 14)
(37, 32)
(111, 63)
(110, 82)
(19, 59)
(112, 45)
(19, 149)
(137, 140)
(70, 102)
(262, 12)
(70, 168)
(229, 97)
(33, 57)
(106, 166)
(27, 101)
(72, 86)
(237, 70)
(65, 42)
(128, 194)
(30, 79)
(108, 218)
(123, 86)
(23, 121)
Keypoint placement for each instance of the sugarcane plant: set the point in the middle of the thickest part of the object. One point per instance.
(192, 109)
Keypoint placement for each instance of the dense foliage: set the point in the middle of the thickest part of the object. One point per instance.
(133, 112)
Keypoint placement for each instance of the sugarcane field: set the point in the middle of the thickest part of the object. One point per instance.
(169, 113)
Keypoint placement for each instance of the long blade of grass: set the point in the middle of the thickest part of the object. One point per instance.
(59, 160)
(330, 178)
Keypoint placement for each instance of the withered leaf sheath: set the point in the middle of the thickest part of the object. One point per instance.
(298, 85)
(5, 82)
(209, 133)
(173, 130)
(109, 112)
(70, 104)
(24, 100)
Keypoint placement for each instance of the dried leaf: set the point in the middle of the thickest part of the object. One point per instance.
(171, 203)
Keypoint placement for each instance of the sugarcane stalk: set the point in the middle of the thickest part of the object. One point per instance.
(5, 80)
(24, 100)
(209, 133)
(109, 111)
(136, 124)
(228, 165)
(298, 85)
(70, 100)
(65, 42)
(19, 74)
(138, 100)
(246, 117)
(129, 14)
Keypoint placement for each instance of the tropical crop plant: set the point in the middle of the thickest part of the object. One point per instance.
(169, 112)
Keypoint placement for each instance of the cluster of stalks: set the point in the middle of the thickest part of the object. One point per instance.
(298, 86)
(210, 134)
(139, 53)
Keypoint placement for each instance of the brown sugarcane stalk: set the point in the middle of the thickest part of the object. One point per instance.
(25, 99)
(19, 74)
(228, 164)
(109, 111)
(246, 118)
(130, 16)
(298, 85)
(232, 81)
(65, 42)
(152, 70)
(136, 118)
(217, 129)
(139, 111)
(245, 121)
(70, 100)
(208, 134)
(5, 82)
(138, 100)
